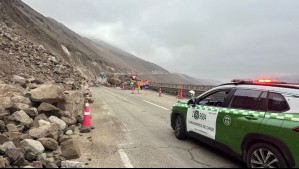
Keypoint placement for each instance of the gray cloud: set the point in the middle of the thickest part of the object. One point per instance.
(212, 39)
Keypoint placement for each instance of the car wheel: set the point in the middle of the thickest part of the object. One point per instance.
(179, 128)
(263, 155)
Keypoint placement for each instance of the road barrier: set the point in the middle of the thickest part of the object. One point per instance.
(175, 89)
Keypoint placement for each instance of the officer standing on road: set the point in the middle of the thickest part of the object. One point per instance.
(146, 86)
(132, 84)
(139, 84)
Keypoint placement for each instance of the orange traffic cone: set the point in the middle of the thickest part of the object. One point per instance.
(160, 92)
(86, 118)
(181, 94)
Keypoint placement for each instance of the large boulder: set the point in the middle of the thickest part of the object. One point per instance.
(19, 80)
(45, 131)
(10, 90)
(2, 126)
(3, 113)
(63, 138)
(2, 162)
(14, 128)
(20, 106)
(33, 145)
(47, 93)
(74, 103)
(49, 143)
(37, 164)
(20, 99)
(70, 150)
(16, 156)
(22, 117)
(42, 122)
(115, 80)
(61, 123)
(35, 123)
(72, 164)
(69, 120)
(15, 137)
(49, 109)
(7, 145)
(32, 112)
(5, 102)
(30, 155)
(3, 139)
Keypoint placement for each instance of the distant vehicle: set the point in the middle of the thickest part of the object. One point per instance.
(254, 121)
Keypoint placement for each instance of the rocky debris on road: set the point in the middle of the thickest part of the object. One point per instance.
(36, 125)
(116, 79)
(85, 130)
(72, 164)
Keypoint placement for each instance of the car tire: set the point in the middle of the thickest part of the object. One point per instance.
(265, 156)
(179, 128)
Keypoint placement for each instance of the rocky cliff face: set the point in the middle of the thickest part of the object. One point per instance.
(33, 45)
(21, 55)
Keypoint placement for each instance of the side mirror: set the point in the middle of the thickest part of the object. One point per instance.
(192, 93)
(192, 100)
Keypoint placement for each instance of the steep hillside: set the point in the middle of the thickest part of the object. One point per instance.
(41, 47)
(125, 60)
(85, 56)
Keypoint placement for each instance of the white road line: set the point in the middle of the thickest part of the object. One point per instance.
(155, 105)
(125, 158)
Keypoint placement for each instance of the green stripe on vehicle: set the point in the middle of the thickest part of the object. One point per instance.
(280, 116)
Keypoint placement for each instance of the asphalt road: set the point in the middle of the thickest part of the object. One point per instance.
(133, 131)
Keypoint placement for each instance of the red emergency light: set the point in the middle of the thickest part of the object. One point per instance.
(264, 81)
(270, 81)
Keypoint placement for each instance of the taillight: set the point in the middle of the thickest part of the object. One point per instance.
(296, 129)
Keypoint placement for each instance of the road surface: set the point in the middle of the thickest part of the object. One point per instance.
(133, 131)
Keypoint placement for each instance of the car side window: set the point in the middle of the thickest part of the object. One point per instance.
(215, 99)
(277, 103)
(249, 100)
(262, 102)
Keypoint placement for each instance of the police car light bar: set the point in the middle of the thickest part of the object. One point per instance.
(269, 81)
(265, 81)
(241, 81)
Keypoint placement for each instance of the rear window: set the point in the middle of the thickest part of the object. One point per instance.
(249, 100)
(277, 103)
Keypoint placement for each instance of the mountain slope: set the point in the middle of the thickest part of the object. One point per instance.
(79, 56)
(88, 57)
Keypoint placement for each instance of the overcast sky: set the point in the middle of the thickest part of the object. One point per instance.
(209, 39)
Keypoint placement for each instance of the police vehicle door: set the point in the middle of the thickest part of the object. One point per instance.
(244, 115)
(202, 118)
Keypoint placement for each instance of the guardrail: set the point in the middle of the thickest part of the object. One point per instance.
(174, 89)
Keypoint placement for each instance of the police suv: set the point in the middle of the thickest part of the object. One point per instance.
(255, 121)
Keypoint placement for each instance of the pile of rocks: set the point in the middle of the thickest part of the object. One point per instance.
(118, 79)
(32, 60)
(36, 124)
